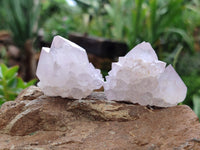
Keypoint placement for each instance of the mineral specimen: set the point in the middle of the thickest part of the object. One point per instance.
(64, 70)
(139, 77)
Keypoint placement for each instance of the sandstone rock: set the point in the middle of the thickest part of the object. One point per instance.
(35, 121)
(30, 93)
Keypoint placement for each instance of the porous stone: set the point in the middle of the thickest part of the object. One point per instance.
(139, 77)
(64, 70)
(41, 122)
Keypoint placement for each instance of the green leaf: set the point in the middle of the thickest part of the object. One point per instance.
(11, 72)
(1, 90)
(23, 85)
(20, 83)
(32, 82)
(12, 83)
(3, 70)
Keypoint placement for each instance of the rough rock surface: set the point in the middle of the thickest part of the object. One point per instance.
(34, 121)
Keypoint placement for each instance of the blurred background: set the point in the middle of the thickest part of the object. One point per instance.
(107, 29)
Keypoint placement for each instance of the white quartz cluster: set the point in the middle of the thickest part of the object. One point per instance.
(64, 70)
(139, 77)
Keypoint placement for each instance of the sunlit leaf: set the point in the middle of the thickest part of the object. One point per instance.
(11, 72)
(3, 69)
(20, 83)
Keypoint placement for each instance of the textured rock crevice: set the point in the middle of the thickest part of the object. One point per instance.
(35, 121)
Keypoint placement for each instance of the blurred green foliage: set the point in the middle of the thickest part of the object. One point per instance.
(188, 68)
(196, 101)
(162, 23)
(10, 84)
(55, 18)
(2, 16)
(21, 18)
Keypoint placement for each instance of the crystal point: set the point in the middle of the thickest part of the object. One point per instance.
(64, 70)
(139, 77)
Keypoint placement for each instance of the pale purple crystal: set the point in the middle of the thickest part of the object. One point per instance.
(139, 77)
(64, 70)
